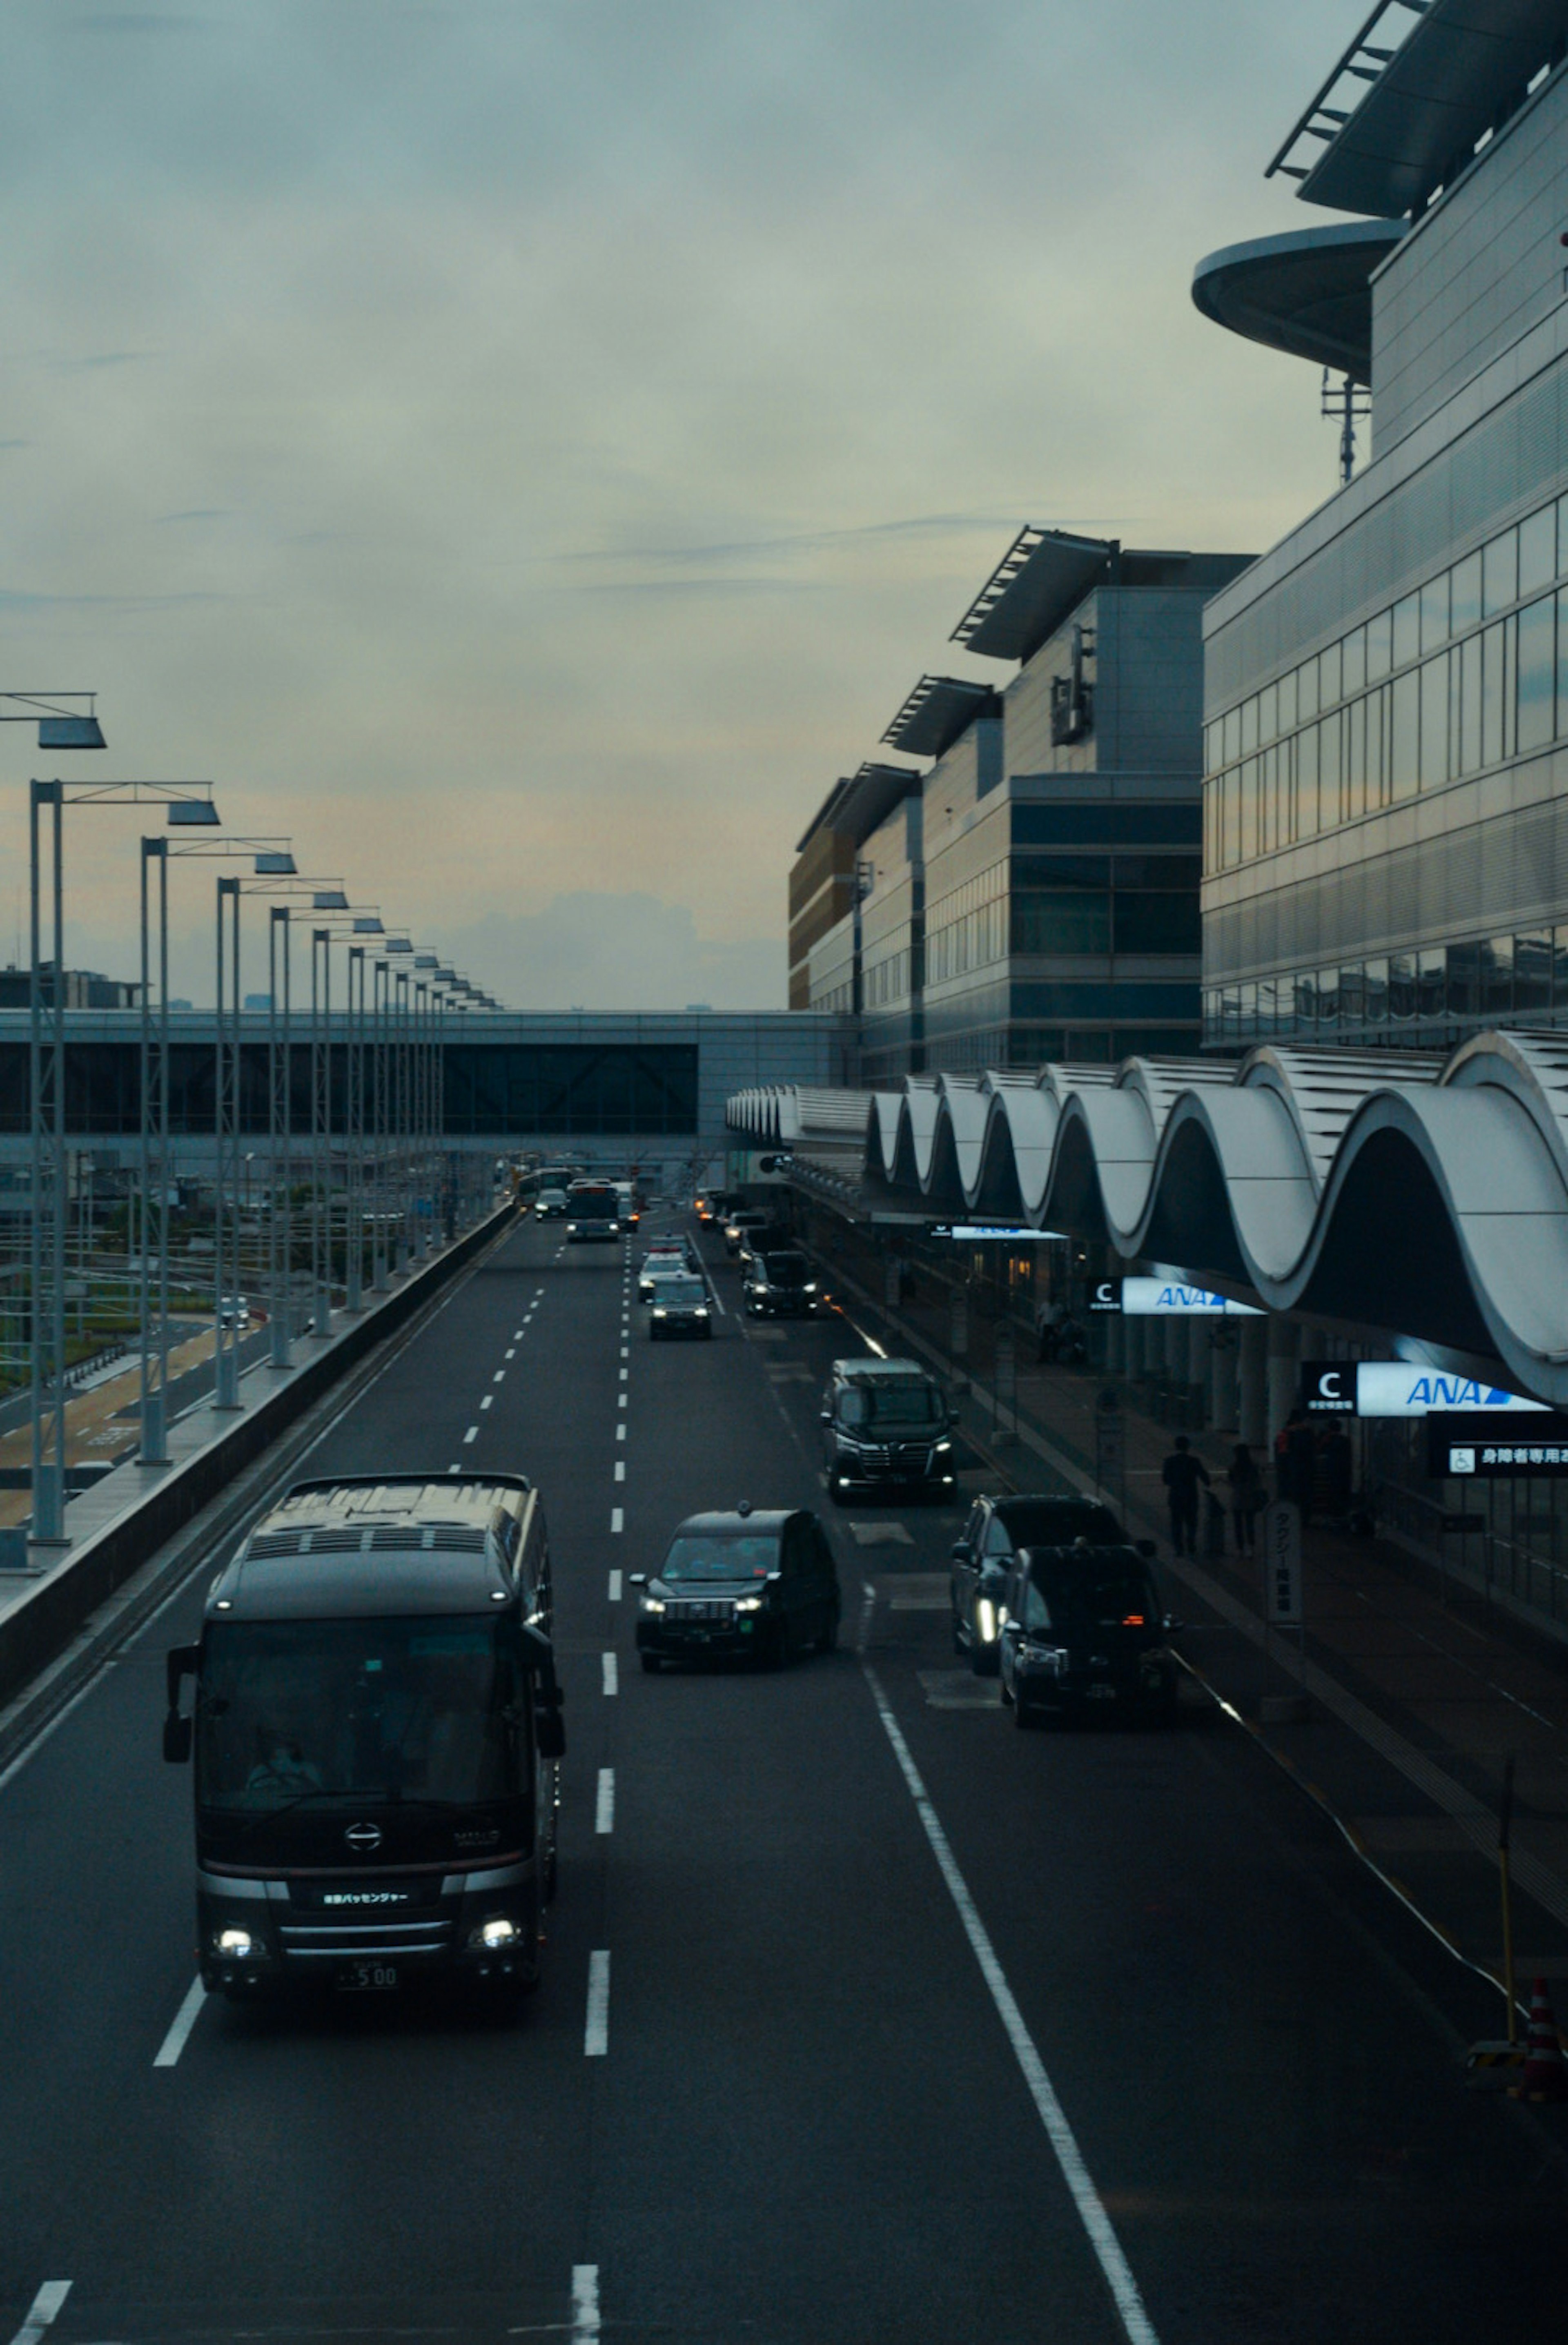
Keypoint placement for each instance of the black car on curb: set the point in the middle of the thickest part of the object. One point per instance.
(679, 1306)
(376, 1730)
(887, 1427)
(987, 1548)
(779, 1286)
(758, 1584)
(1086, 1632)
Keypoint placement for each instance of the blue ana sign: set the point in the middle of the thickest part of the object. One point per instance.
(1162, 1298)
(1404, 1388)
(980, 1232)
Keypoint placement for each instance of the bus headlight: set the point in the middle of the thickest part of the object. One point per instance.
(493, 1935)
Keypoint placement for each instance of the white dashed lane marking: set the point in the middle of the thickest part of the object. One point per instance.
(621, 1404)
(472, 1434)
(499, 1377)
(585, 2304)
(620, 1429)
(487, 1400)
(184, 2019)
(617, 1520)
(612, 1672)
(605, 1814)
(41, 2312)
(615, 1588)
(620, 1469)
(596, 2033)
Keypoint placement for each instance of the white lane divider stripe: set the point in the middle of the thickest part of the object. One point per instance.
(713, 1298)
(499, 1377)
(612, 1672)
(1136, 2326)
(472, 1435)
(622, 1402)
(585, 2304)
(620, 1469)
(596, 2033)
(625, 1374)
(41, 2312)
(486, 1403)
(618, 1519)
(184, 2019)
(615, 1590)
(620, 1429)
(455, 1469)
(605, 1814)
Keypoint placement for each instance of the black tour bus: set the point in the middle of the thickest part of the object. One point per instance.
(377, 1731)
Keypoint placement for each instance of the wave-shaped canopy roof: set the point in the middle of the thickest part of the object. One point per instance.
(1406, 1191)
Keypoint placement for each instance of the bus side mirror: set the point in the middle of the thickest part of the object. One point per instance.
(180, 1662)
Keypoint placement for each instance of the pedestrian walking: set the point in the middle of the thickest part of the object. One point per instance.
(1181, 1474)
(1047, 1319)
(1247, 1496)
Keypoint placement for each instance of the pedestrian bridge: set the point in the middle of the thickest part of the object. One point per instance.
(1408, 1191)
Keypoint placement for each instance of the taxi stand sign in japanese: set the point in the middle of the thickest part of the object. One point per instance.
(1476, 1448)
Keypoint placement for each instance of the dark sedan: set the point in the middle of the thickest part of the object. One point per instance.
(1085, 1632)
(780, 1286)
(984, 1554)
(680, 1307)
(756, 1584)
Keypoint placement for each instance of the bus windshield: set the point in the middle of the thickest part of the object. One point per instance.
(424, 1709)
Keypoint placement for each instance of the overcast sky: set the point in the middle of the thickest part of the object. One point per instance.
(527, 450)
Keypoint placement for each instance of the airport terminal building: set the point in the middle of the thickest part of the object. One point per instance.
(1032, 893)
(1386, 691)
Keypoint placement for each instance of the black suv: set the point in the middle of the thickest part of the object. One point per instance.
(755, 1585)
(780, 1286)
(887, 1426)
(1085, 1632)
(984, 1554)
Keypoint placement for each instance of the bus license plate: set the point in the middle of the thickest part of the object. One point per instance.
(365, 1978)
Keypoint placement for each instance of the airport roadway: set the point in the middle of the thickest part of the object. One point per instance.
(906, 2026)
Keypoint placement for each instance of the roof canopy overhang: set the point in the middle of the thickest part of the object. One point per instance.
(1038, 584)
(938, 711)
(1442, 74)
(1307, 292)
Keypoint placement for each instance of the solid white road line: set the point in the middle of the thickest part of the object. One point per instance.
(585, 2303)
(620, 1469)
(713, 1298)
(597, 2034)
(618, 1519)
(184, 2019)
(615, 1590)
(472, 1435)
(612, 1673)
(52, 2295)
(605, 1814)
(1136, 2323)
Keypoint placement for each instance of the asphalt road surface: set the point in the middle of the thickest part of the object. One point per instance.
(865, 2017)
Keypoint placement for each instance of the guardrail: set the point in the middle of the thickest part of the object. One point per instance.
(52, 1609)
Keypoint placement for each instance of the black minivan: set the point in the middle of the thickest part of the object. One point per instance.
(887, 1424)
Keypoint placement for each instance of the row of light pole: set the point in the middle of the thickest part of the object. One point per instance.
(391, 1100)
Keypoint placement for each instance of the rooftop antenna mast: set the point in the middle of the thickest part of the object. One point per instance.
(1346, 402)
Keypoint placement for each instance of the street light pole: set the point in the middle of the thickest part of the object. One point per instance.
(153, 1413)
(280, 1132)
(225, 1133)
(46, 1105)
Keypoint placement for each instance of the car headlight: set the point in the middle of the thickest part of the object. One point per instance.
(237, 1945)
(653, 1604)
(749, 1603)
(660, 1311)
(1046, 1657)
(570, 1228)
(492, 1936)
(614, 1229)
(944, 1449)
(699, 1311)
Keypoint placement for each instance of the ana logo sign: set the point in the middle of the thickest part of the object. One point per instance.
(1154, 1299)
(1400, 1388)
